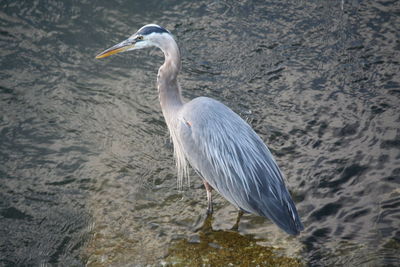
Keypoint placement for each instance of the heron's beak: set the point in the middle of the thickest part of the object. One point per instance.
(121, 47)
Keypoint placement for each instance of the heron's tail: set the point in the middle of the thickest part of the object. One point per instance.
(282, 213)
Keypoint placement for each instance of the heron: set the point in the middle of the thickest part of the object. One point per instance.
(217, 143)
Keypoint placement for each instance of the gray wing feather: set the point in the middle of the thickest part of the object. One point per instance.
(235, 161)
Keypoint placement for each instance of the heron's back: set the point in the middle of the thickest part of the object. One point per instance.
(233, 159)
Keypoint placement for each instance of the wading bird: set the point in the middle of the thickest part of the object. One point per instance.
(223, 149)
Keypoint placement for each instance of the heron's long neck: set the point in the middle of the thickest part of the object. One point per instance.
(167, 82)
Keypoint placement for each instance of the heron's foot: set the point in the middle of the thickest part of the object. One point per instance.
(206, 225)
(235, 227)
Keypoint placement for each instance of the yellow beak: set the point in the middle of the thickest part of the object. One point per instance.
(121, 47)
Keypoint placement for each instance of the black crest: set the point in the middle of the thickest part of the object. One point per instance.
(150, 29)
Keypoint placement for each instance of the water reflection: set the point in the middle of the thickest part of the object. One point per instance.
(211, 247)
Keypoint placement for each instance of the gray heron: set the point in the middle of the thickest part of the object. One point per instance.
(222, 148)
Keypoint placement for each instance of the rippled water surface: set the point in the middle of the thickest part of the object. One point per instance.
(86, 167)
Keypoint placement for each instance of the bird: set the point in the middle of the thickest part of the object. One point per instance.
(218, 144)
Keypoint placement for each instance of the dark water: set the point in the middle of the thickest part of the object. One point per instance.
(86, 168)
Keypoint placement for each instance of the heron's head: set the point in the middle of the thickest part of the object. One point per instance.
(148, 35)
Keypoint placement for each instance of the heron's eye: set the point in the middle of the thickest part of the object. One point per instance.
(139, 38)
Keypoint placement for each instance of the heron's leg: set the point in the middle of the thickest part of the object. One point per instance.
(209, 197)
(207, 224)
(235, 227)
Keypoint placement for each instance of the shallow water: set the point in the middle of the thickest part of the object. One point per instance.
(86, 168)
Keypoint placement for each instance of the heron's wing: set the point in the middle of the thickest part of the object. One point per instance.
(235, 161)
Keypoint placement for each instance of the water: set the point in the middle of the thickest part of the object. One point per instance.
(86, 168)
